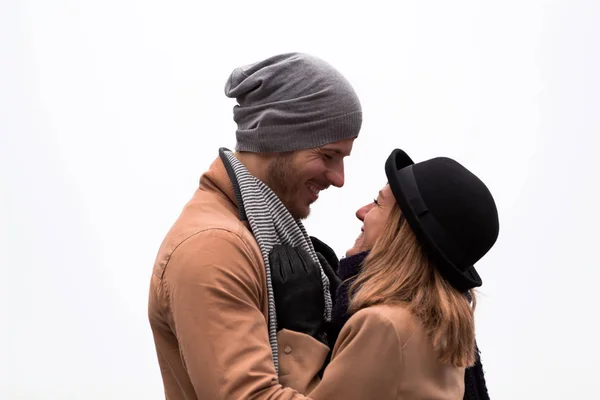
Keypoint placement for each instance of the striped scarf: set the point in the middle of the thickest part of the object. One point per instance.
(271, 224)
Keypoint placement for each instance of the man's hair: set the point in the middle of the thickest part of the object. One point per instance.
(398, 270)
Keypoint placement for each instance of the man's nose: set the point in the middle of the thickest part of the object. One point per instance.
(335, 175)
(363, 211)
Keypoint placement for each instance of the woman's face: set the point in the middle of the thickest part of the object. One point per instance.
(373, 215)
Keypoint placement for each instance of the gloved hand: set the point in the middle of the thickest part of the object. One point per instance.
(298, 291)
(334, 280)
(329, 262)
(326, 251)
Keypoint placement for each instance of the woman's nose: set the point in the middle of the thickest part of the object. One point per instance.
(363, 211)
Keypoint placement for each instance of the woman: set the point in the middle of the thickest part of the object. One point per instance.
(411, 332)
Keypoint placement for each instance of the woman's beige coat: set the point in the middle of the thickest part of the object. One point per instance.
(381, 353)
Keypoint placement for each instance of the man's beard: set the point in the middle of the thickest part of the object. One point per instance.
(284, 181)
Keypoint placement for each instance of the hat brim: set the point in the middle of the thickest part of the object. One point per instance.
(398, 169)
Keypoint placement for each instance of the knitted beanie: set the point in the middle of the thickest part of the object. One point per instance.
(290, 102)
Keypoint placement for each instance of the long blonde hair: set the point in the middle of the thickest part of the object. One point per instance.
(398, 270)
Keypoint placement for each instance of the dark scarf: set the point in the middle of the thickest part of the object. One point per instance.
(347, 271)
(475, 387)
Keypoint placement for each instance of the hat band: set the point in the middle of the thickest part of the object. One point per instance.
(427, 221)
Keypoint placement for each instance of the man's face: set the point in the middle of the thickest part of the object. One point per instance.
(298, 177)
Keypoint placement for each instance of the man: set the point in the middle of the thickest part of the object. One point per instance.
(211, 306)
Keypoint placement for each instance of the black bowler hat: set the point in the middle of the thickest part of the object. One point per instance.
(451, 211)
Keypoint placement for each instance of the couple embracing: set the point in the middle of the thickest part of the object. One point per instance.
(245, 304)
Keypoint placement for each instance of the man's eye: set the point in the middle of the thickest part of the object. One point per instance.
(327, 157)
(375, 201)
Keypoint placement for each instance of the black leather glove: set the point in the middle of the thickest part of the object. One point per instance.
(327, 252)
(334, 280)
(298, 291)
(329, 262)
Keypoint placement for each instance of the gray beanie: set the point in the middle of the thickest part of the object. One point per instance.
(290, 102)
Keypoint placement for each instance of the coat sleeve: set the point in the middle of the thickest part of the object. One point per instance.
(301, 357)
(366, 362)
(215, 294)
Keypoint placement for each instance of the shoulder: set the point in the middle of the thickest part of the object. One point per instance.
(369, 342)
(215, 264)
(212, 239)
(206, 233)
(203, 229)
(383, 319)
(368, 324)
(214, 247)
(208, 211)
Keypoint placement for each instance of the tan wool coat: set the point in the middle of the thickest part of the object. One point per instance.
(382, 353)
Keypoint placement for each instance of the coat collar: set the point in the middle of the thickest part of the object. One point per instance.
(217, 180)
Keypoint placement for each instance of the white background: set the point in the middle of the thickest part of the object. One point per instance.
(110, 111)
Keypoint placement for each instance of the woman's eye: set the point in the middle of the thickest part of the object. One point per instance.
(375, 201)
